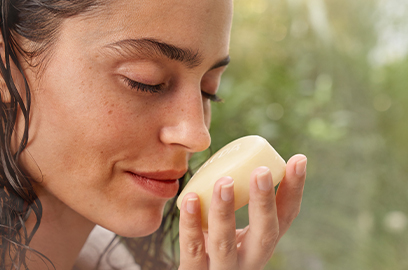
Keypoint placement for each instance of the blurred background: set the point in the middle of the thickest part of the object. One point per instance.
(328, 79)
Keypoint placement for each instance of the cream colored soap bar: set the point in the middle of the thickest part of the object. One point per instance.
(237, 159)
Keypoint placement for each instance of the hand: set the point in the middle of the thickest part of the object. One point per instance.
(270, 217)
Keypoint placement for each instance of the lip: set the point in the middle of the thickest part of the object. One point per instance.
(163, 184)
(167, 175)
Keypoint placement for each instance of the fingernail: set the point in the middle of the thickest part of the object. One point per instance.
(264, 180)
(191, 205)
(301, 167)
(227, 192)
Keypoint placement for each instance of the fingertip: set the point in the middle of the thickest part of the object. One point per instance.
(259, 170)
(225, 180)
(264, 180)
(190, 195)
(297, 165)
(191, 203)
(190, 214)
(223, 190)
(296, 158)
(300, 167)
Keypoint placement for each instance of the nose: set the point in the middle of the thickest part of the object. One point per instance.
(185, 124)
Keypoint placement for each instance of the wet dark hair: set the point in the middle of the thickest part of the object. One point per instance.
(38, 22)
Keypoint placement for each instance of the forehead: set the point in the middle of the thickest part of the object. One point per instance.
(202, 25)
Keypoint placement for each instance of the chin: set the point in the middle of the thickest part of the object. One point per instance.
(139, 226)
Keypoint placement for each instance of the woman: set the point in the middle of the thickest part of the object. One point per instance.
(103, 104)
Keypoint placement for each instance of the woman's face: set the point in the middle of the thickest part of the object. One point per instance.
(98, 135)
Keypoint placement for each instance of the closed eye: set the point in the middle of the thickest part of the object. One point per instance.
(143, 87)
(159, 87)
(213, 98)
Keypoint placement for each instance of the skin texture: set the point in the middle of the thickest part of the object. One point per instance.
(89, 128)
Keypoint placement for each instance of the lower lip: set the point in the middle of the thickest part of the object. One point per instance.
(159, 188)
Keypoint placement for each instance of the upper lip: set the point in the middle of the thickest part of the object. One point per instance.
(164, 175)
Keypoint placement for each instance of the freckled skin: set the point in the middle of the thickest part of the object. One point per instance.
(139, 110)
(88, 128)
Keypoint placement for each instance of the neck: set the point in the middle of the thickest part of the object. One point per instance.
(60, 237)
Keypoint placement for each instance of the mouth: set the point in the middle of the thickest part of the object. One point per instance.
(163, 184)
(167, 175)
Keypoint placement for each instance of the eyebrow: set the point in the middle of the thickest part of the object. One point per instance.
(154, 48)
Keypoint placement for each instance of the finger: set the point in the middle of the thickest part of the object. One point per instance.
(206, 240)
(192, 244)
(240, 234)
(290, 192)
(260, 240)
(222, 247)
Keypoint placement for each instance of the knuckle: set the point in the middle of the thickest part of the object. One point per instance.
(298, 189)
(190, 223)
(293, 215)
(226, 247)
(264, 201)
(195, 248)
(225, 214)
(194, 225)
(287, 219)
(268, 240)
(266, 204)
(287, 223)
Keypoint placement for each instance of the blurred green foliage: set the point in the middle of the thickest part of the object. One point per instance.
(302, 75)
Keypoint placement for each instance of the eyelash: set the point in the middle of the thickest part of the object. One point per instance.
(144, 87)
(153, 89)
(213, 98)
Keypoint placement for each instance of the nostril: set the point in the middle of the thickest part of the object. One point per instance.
(187, 124)
(195, 138)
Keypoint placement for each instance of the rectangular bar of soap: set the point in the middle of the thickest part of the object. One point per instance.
(237, 159)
